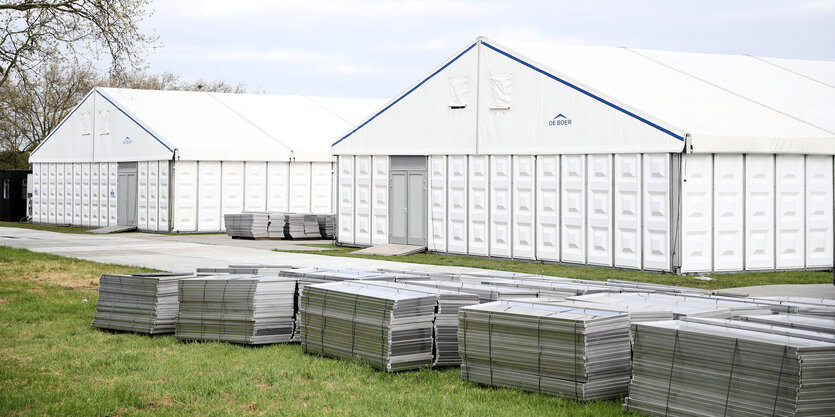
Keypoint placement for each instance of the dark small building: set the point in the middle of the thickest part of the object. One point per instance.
(13, 194)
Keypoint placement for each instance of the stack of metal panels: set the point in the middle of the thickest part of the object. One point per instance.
(582, 354)
(554, 288)
(311, 226)
(327, 225)
(389, 328)
(687, 368)
(245, 270)
(796, 321)
(247, 225)
(293, 225)
(766, 328)
(484, 292)
(680, 305)
(635, 313)
(247, 309)
(141, 303)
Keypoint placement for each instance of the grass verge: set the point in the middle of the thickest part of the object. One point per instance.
(593, 273)
(46, 227)
(53, 363)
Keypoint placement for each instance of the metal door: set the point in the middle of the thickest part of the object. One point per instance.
(407, 201)
(126, 194)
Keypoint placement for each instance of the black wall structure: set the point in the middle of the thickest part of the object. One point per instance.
(13, 194)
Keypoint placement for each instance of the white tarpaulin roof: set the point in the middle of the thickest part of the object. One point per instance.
(206, 126)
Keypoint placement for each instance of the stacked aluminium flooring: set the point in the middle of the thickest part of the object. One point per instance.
(572, 352)
(141, 303)
(252, 225)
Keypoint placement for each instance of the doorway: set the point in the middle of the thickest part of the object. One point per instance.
(126, 194)
(407, 197)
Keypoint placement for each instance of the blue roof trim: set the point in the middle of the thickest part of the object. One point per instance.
(406, 93)
(593, 96)
(61, 124)
(134, 120)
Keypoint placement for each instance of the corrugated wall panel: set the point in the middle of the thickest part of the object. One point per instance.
(380, 202)
(728, 231)
(142, 195)
(628, 199)
(819, 211)
(362, 200)
(599, 210)
(548, 207)
(321, 189)
(759, 212)
(697, 213)
(300, 184)
(68, 193)
(51, 202)
(208, 191)
(59, 194)
(185, 196)
(153, 195)
(232, 188)
(479, 204)
(345, 195)
(656, 212)
(104, 198)
(112, 197)
(255, 186)
(524, 207)
(457, 204)
(164, 184)
(37, 190)
(77, 195)
(278, 182)
(573, 208)
(95, 198)
(85, 194)
(501, 200)
(437, 204)
(790, 211)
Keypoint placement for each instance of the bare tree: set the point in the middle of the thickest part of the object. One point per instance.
(33, 31)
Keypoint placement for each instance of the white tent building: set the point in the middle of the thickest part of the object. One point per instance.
(178, 161)
(614, 157)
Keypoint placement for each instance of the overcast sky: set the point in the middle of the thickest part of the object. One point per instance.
(378, 48)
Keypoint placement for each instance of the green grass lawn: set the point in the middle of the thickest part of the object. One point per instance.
(54, 363)
(599, 274)
(46, 227)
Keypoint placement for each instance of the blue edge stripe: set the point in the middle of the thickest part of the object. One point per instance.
(539, 70)
(114, 105)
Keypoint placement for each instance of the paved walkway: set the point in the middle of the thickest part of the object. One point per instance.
(188, 252)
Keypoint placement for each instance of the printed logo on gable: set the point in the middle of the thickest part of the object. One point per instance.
(559, 120)
(126, 141)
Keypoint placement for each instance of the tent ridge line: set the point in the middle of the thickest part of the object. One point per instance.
(586, 93)
(788, 70)
(275, 139)
(402, 96)
(327, 109)
(61, 124)
(134, 120)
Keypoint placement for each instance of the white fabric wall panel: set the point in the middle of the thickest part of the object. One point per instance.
(479, 205)
(599, 210)
(380, 202)
(362, 200)
(437, 204)
(457, 204)
(548, 207)
(790, 212)
(59, 194)
(628, 199)
(232, 188)
(759, 212)
(345, 195)
(278, 181)
(697, 196)
(185, 196)
(656, 212)
(208, 192)
(321, 190)
(728, 232)
(112, 197)
(164, 181)
(255, 186)
(95, 198)
(818, 211)
(36, 193)
(300, 187)
(573, 200)
(68, 193)
(142, 195)
(153, 195)
(500, 205)
(85, 194)
(51, 194)
(524, 207)
(77, 194)
(104, 198)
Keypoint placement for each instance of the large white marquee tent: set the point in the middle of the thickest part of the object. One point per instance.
(177, 161)
(614, 157)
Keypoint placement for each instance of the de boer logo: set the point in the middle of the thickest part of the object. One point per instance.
(559, 120)
(126, 141)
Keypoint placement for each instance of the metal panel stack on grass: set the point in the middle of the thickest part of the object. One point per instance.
(687, 368)
(564, 351)
(141, 302)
